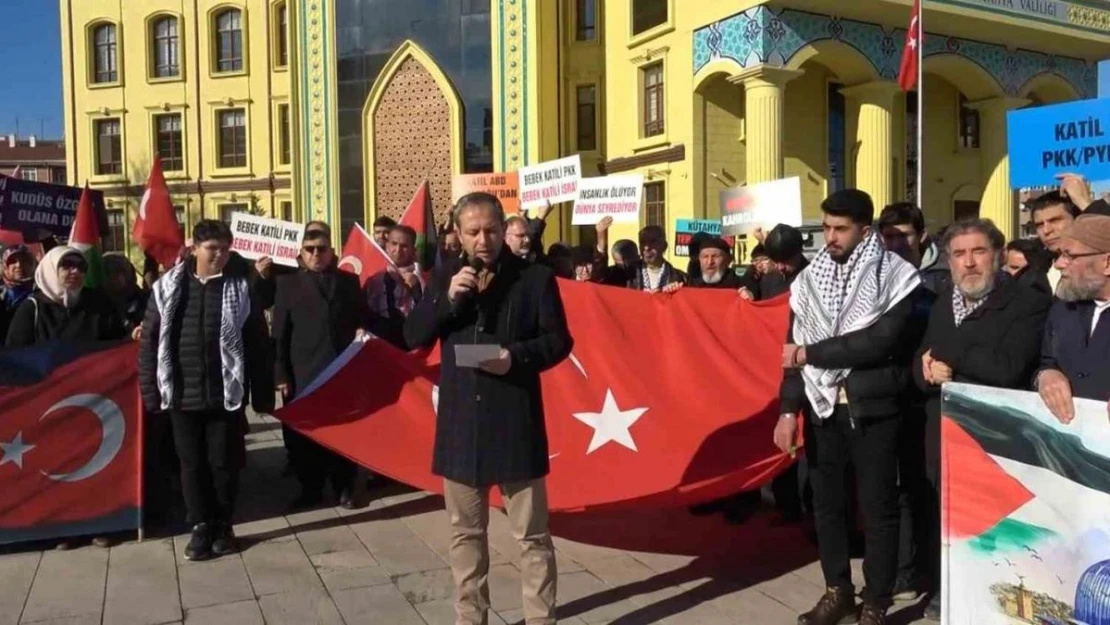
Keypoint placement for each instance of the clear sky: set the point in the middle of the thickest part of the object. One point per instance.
(30, 67)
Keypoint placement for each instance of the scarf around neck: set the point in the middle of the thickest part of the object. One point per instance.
(831, 299)
(962, 307)
(47, 280)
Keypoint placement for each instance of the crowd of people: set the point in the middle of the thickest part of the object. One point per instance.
(881, 317)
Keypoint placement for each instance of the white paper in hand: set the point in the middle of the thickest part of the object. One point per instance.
(472, 356)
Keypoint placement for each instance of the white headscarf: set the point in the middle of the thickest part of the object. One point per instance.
(47, 280)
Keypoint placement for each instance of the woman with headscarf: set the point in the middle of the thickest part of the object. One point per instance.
(16, 282)
(61, 308)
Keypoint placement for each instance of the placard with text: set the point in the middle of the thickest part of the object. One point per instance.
(766, 205)
(1062, 138)
(255, 237)
(554, 181)
(608, 196)
(503, 186)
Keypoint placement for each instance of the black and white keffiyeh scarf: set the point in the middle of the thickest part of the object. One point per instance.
(234, 312)
(961, 307)
(832, 299)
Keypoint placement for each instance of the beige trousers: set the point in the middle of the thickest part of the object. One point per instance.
(526, 504)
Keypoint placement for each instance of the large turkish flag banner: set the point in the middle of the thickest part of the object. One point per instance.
(665, 400)
(70, 442)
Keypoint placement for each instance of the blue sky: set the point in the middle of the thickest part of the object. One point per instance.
(31, 71)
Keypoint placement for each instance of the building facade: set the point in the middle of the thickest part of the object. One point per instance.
(696, 96)
(204, 84)
(33, 159)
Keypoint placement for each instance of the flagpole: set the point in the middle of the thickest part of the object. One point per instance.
(920, 103)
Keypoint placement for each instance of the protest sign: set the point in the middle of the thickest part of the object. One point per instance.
(1062, 138)
(1025, 532)
(766, 204)
(33, 207)
(685, 229)
(255, 237)
(608, 196)
(553, 181)
(503, 186)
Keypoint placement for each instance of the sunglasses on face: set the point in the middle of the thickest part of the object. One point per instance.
(317, 249)
(73, 264)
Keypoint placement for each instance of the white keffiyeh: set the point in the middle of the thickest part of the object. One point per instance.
(233, 314)
(832, 299)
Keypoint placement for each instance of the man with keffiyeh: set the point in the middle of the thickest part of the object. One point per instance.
(847, 357)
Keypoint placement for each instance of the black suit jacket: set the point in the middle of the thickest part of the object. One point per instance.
(1070, 347)
(490, 429)
(315, 318)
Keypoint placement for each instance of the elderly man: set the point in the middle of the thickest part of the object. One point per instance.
(983, 329)
(490, 423)
(394, 292)
(715, 264)
(1075, 354)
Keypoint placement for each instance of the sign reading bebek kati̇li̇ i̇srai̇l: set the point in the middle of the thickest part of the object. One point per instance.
(553, 181)
(255, 237)
(608, 196)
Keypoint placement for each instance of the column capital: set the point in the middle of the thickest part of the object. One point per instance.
(765, 76)
(876, 91)
(1000, 104)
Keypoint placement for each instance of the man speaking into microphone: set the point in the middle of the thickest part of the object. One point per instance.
(500, 323)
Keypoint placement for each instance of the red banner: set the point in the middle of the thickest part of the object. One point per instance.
(665, 400)
(70, 446)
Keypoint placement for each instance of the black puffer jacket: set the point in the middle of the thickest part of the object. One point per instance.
(195, 347)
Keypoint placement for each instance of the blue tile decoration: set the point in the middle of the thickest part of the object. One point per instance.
(769, 35)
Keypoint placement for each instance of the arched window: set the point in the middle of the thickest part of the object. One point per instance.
(105, 54)
(281, 26)
(166, 48)
(229, 41)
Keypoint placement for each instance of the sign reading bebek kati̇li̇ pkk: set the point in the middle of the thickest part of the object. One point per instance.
(30, 207)
(1062, 138)
(608, 196)
(765, 204)
(255, 237)
(502, 186)
(553, 181)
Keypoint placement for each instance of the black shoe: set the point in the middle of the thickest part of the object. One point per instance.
(932, 611)
(836, 606)
(224, 540)
(348, 500)
(200, 544)
(872, 615)
(906, 589)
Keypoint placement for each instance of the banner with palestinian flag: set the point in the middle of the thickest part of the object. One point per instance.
(419, 216)
(1025, 510)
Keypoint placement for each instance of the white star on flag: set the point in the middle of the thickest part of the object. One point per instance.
(13, 451)
(611, 424)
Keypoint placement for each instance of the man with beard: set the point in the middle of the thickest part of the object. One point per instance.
(847, 360)
(985, 329)
(395, 291)
(1075, 354)
(652, 273)
(715, 264)
(18, 282)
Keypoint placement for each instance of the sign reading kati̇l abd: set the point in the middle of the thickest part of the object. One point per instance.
(502, 186)
(553, 181)
(1048, 140)
(255, 237)
(608, 196)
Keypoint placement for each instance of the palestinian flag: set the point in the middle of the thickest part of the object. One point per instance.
(1025, 510)
(419, 216)
(85, 236)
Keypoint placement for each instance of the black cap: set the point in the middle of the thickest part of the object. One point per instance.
(758, 251)
(783, 243)
(715, 243)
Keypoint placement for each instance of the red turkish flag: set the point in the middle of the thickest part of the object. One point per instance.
(907, 71)
(362, 256)
(70, 445)
(156, 228)
(672, 398)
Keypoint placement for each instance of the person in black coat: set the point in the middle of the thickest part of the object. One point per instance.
(714, 262)
(490, 426)
(61, 308)
(984, 329)
(318, 312)
(204, 326)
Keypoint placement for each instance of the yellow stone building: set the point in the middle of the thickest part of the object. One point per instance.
(697, 95)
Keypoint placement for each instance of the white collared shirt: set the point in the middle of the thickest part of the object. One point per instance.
(209, 278)
(1100, 306)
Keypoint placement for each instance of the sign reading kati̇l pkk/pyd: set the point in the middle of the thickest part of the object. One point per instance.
(553, 181)
(30, 207)
(503, 186)
(1049, 140)
(608, 196)
(255, 237)
(766, 204)
(685, 229)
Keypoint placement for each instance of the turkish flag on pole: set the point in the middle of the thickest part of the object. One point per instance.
(911, 54)
(362, 256)
(419, 216)
(70, 441)
(156, 229)
(680, 411)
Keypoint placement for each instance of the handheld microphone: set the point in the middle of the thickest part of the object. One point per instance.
(477, 264)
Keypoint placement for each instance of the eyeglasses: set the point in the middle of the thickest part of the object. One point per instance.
(317, 249)
(73, 264)
(1067, 257)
